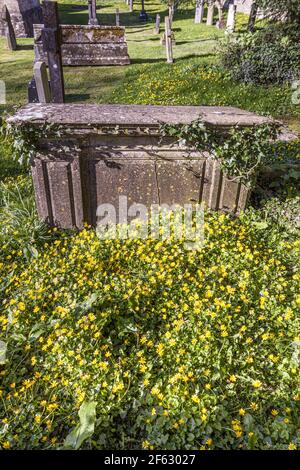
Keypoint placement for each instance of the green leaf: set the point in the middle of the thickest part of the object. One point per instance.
(83, 430)
(3, 349)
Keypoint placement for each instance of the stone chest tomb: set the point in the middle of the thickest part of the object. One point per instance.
(87, 45)
(102, 152)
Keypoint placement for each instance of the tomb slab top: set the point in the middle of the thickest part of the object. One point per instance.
(85, 115)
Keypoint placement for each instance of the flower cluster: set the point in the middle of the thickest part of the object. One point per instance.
(177, 348)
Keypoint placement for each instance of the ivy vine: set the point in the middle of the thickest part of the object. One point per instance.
(242, 152)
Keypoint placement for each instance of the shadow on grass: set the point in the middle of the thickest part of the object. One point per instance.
(25, 47)
(77, 97)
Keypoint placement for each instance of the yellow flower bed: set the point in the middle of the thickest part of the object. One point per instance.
(177, 349)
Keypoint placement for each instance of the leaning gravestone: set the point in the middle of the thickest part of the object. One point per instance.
(9, 30)
(93, 154)
(24, 13)
(42, 82)
(87, 45)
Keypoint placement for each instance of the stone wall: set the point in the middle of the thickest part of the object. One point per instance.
(106, 151)
(88, 45)
(24, 13)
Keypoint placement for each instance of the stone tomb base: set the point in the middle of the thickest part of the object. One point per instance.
(87, 45)
(103, 152)
(23, 13)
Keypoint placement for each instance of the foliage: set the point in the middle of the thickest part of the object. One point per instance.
(21, 230)
(242, 153)
(278, 8)
(265, 57)
(179, 349)
(193, 83)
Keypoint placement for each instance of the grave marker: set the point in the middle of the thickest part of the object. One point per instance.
(117, 17)
(32, 92)
(93, 20)
(41, 82)
(87, 45)
(199, 11)
(9, 30)
(210, 14)
(231, 18)
(23, 13)
(51, 37)
(157, 24)
(168, 38)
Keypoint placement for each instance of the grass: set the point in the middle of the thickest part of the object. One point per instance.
(148, 79)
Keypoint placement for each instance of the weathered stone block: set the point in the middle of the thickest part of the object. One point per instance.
(87, 45)
(24, 13)
(106, 151)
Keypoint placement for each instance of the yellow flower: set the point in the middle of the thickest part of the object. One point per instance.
(292, 446)
(257, 384)
(242, 412)
(274, 412)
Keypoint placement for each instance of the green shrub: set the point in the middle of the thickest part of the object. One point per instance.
(267, 57)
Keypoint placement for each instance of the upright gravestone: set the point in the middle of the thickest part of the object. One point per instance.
(210, 13)
(231, 18)
(93, 20)
(117, 17)
(157, 24)
(168, 38)
(199, 12)
(9, 30)
(51, 37)
(41, 82)
(24, 14)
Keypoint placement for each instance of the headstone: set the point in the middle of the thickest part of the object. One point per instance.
(51, 37)
(93, 20)
(231, 18)
(168, 36)
(131, 6)
(221, 21)
(23, 13)
(171, 13)
(41, 82)
(252, 17)
(157, 24)
(32, 92)
(9, 30)
(117, 17)
(210, 14)
(199, 13)
(143, 15)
